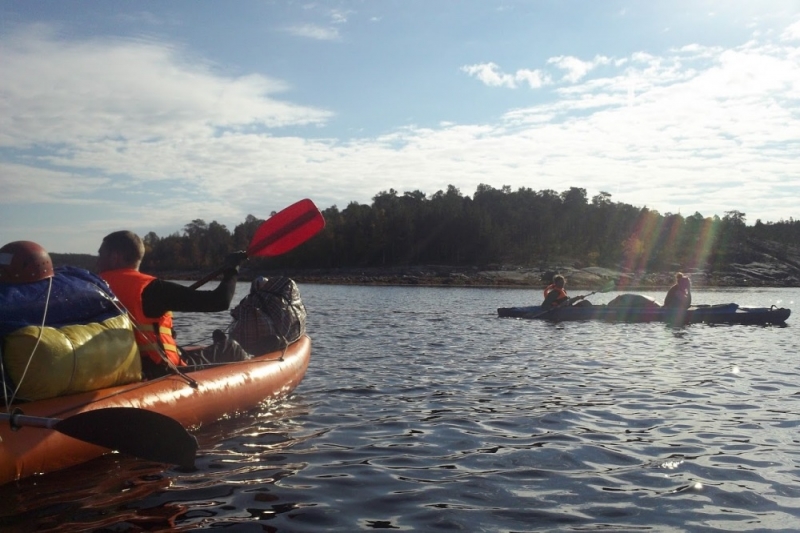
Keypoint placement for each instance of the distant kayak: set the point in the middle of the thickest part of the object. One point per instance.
(707, 314)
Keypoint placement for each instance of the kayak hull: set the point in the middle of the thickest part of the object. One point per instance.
(712, 314)
(220, 391)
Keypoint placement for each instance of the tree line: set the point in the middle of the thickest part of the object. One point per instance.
(493, 227)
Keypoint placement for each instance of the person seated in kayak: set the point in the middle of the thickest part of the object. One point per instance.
(679, 295)
(555, 295)
(150, 302)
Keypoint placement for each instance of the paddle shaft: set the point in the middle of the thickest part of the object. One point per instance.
(205, 279)
(565, 303)
(17, 420)
(607, 287)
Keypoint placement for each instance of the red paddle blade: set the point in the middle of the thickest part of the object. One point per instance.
(287, 229)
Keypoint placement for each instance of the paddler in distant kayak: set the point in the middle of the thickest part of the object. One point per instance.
(555, 295)
(679, 295)
(150, 302)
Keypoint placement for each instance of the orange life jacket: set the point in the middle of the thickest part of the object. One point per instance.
(153, 335)
(561, 296)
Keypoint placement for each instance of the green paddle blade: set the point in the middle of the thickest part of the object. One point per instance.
(609, 286)
(137, 432)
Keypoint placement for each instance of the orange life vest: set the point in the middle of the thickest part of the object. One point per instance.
(153, 335)
(552, 287)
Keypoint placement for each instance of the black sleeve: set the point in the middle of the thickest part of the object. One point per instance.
(551, 299)
(161, 296)
(672, 298)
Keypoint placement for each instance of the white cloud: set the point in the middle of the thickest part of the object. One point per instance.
(576, 68)
(534, 78)
(314, 31)
(23, 184)
(69, 92)
(792, 33)
(339, 16)
(490, 75)
(701, 129)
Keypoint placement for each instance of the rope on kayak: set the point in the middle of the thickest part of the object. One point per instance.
(118, 304)
(30, 357)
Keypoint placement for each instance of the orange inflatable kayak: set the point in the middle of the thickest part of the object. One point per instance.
(200, 397)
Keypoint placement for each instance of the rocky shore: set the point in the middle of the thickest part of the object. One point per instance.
(589, 278)
(771, 265)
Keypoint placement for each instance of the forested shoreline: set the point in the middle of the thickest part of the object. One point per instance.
(493, 230)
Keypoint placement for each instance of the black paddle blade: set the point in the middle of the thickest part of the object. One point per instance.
(137, 432)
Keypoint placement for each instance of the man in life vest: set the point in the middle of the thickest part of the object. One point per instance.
(556, 296)
(150, 302)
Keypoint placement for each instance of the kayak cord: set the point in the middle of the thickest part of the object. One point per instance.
(285, 346)
(30, 357)
(114, 300)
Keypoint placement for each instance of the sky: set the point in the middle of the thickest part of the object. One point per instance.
(149, 115)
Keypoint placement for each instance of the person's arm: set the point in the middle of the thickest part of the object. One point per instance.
(574, 299)
(554, 297)
(548, 300)
(668, 299)
(161, 296)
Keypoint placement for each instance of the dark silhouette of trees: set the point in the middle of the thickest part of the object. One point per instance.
(494, 226)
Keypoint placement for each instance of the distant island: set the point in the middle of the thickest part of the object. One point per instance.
(497, 237)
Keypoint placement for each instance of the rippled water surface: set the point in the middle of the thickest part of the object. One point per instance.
(422, 410)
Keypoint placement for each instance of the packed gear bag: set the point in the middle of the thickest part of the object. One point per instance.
(270, 318)
(49, 362)
(223, 350)
(72, 296)
(634, 300)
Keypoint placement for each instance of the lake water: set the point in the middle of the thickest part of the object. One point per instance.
(423, 411)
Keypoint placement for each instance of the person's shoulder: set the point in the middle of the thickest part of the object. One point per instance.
(166, 283)
(162, 285)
